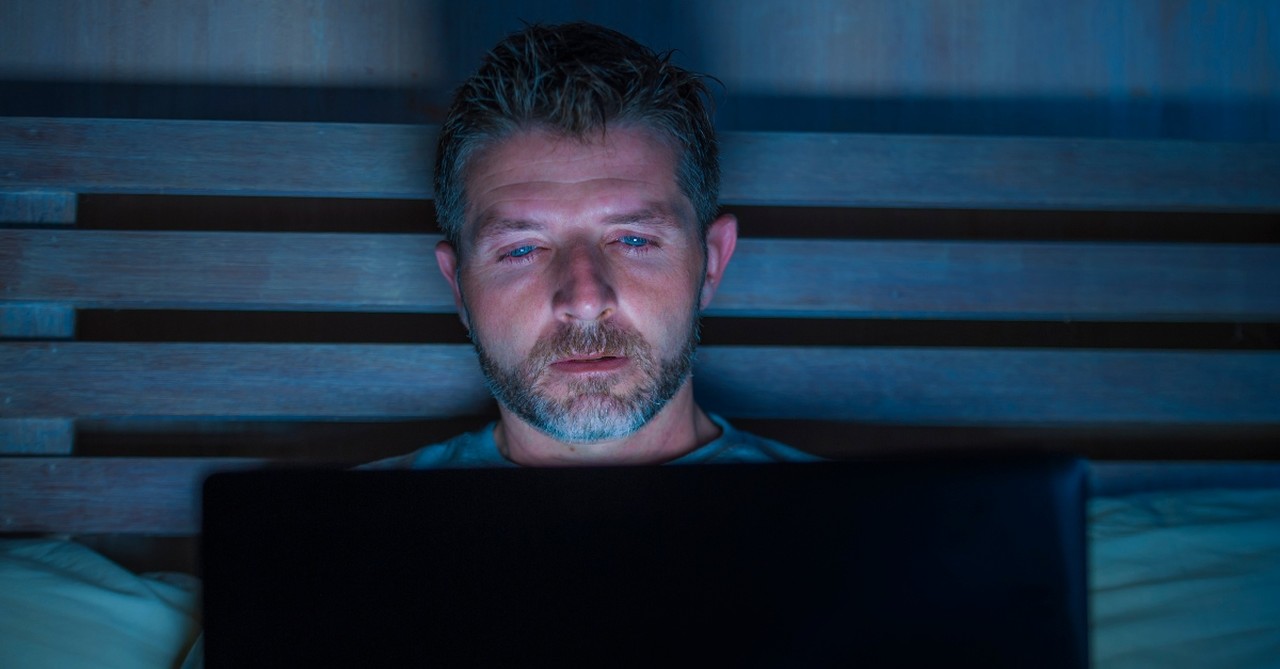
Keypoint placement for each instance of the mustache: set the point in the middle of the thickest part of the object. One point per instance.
(595, 339)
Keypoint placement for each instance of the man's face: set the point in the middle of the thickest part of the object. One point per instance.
(581, 277)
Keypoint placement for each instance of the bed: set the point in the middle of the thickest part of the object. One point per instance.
(181, 297)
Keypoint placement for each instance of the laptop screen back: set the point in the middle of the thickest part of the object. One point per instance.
(731, 565)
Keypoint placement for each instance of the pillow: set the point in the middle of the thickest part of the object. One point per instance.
(63, 605)
(1187, 578)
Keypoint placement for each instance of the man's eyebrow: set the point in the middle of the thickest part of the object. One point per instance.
(493, 226)
(660, 217)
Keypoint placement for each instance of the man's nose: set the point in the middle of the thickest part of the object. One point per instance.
(585, 289)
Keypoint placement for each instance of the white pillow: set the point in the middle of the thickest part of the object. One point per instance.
(63, 605)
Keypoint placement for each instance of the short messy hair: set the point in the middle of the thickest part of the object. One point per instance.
(573, 80)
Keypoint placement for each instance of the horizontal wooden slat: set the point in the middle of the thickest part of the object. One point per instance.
(216, 157)
(998, 172)
(36, 436)
(225, 270)
(380, 381)
(161, 496)
(768, 277)
(1127, 478)
(360, 160)
(1002, 280)
(37, 208)
(884, 385)
(31, 320)
(992, 386)
(90, 495)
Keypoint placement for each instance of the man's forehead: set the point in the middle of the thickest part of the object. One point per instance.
(627, 175)
(544, 152)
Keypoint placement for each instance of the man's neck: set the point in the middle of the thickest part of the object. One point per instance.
(678, 429)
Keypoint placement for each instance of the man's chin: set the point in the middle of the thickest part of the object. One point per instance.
(589, 419)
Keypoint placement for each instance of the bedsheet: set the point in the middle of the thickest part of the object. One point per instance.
(1185, 578)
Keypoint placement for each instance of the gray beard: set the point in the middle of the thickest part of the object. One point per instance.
(590, 411)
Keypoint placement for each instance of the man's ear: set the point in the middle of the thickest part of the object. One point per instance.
(447, 259)
(722, 238)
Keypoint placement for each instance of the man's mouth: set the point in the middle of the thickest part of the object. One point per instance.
(589, 363)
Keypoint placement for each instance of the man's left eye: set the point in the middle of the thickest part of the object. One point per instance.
(632, 240)
(520, 252)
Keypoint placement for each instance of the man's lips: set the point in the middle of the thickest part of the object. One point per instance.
(584, 364)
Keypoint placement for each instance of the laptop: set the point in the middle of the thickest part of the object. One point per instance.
(882, 563)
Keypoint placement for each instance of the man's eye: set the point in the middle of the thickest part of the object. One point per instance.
(520, 252)
(632, 240)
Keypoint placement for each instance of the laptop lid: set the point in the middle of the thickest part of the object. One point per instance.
(899, 563)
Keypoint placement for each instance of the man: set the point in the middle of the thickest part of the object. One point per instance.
(576, 182)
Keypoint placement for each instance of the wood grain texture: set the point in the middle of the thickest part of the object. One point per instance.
(1126, 478)
(156, 496)
(378, 381)
(991, 387)
(925, 386)
(34, 320)
(354, 160)
(217, 157)
(202, 270)
(37, 208)
(998, 172)
(767, 278)
(36, 436)
(1001, 280)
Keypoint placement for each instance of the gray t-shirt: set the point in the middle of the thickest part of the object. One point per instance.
(479, 449)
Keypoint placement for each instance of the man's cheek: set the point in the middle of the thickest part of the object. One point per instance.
(512, 344)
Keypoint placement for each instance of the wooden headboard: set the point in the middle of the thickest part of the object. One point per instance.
(1116, 298)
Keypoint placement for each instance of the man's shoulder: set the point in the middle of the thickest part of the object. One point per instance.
(734, 445)
(470, 449)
